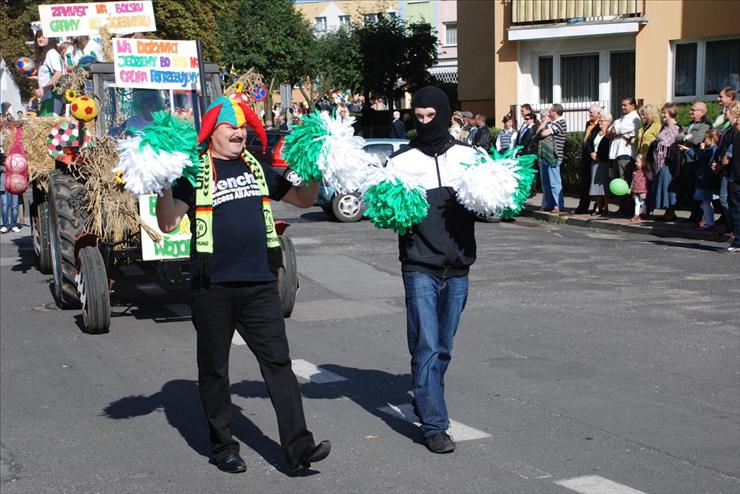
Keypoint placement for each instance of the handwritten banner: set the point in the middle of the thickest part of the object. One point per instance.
(155, 64)
(174, 245)
(85, 19)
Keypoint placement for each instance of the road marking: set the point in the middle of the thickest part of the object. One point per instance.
(180, 310)
(151, 288)
(310, 372)
(595, 484)
(237, 339)
(459, 431)
(305, 241)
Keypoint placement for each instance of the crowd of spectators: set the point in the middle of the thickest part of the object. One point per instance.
(646, 147)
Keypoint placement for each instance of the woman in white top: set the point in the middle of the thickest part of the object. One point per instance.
(50, 70)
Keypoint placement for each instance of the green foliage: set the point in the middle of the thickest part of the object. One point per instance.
(339, 55)
(269, 36)
(571, 158)
(16, 17)
(684, 117)
(191, 19)
(392, 51)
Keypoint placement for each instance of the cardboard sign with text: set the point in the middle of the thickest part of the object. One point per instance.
(86, 19)
(155, 63)
(174, 245)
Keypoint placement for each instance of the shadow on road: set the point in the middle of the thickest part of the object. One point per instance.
(371, 389)
(180, 402)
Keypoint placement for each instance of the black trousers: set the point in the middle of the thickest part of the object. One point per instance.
(255, 311)
(584, 183)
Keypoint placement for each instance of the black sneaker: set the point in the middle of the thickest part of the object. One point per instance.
(440, 443)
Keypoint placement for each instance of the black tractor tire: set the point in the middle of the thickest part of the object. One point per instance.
(40, 235)
(66, 221)
(92, 285)
(288, 276)
(347, 208)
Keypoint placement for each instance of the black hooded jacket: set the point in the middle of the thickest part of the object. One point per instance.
(443, 243)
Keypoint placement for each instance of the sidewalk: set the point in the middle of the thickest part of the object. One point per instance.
(676, 229)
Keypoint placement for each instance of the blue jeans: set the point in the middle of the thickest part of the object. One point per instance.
(724, 201)
(552, 185)
(10, 208)
(433, 308)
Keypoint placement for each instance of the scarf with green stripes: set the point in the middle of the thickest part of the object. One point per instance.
(203, 230)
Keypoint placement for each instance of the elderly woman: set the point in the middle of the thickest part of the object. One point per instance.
(647, 134)
(666, 158)
(599, 147)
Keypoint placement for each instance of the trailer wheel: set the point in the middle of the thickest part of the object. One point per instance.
(66, 221)
(288, 276)
(92, 285)
(40, 235)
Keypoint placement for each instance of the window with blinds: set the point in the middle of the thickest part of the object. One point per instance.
(579, 78)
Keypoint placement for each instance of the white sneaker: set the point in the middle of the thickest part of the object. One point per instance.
(3, 229)
(15, 229)
(732, 249)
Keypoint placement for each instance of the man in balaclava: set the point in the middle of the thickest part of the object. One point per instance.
(235, 256)
(435, 259)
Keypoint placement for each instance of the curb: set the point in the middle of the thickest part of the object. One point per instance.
(648, 228)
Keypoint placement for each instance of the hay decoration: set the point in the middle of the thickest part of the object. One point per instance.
(106, 44)
(245, 83)
(113, 213)
(74, 81)
(35, 132)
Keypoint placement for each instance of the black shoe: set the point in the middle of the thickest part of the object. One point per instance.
(440, 443)
(311, 455)
(580, 211)
(232, 464)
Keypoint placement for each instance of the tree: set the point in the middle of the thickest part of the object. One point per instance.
(191, 19)
(339, 53)
(271, 37)
(16, 18)
(395, 56)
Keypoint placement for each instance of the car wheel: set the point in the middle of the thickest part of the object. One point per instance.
(347, 207)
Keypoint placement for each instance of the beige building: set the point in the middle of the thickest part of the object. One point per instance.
(580, 52)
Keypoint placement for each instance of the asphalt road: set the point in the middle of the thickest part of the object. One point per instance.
(586, 362)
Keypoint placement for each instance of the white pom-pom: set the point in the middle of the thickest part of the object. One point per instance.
(486, 187)
(343, 163)
(146, 171)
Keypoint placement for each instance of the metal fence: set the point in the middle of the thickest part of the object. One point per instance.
(576, 114)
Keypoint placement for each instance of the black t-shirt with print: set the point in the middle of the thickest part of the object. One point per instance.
(239, 241)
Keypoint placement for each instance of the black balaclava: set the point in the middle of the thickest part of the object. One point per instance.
(432, 138)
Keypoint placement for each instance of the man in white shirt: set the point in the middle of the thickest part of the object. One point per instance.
(622, 150)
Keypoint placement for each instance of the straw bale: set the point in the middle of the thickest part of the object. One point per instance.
(113, 213)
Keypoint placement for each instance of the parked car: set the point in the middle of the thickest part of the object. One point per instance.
(271, 157)
(348, 207)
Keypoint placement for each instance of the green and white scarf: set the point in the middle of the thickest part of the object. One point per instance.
(203, 231)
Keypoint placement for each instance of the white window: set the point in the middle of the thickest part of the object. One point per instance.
(451, 33)
(579, 78)
(370, 18)
(702, 68)
(320, 24)
(344, 21)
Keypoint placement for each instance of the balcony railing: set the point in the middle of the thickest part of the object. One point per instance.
(553, 11)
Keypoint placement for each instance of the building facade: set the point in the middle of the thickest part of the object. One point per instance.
(581, 52)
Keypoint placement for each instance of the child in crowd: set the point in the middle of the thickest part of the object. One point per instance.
(707, 180)
(507, 136)
(639, 189)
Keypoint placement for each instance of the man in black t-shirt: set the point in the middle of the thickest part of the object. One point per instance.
(234, 279)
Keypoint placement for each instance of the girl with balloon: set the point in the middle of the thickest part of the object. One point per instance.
(50, 70)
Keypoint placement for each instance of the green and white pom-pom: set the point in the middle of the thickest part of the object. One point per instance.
(489, 186)
(525, 175)
(158, 155)
(395, 203)
(303, 145)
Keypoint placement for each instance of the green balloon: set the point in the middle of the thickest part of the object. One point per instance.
(619, 187)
